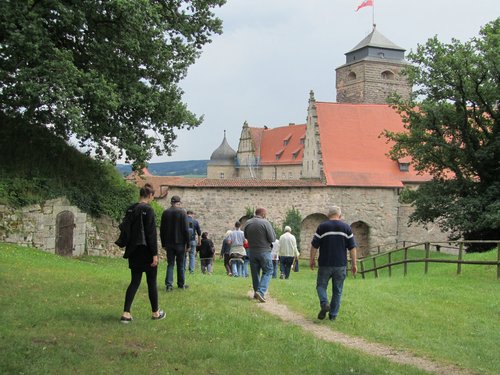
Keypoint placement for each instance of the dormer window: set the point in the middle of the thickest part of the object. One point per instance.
(404, 164)
(279, 153)
(286, 141)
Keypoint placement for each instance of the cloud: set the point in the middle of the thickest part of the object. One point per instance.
(273, 52)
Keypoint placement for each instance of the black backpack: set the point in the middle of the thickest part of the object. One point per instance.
(125, 227)
(192, 233)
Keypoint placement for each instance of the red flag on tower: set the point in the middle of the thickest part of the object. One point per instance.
(365, 3)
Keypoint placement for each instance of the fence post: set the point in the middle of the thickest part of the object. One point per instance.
(375, 267)
(460, 257)
(427, 255)
(362, 264)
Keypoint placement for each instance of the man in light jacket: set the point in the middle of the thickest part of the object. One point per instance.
(287, 251)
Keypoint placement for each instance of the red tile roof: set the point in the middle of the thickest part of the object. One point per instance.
(143, 172)
(271, 143)
(354, 151)
(162, 183)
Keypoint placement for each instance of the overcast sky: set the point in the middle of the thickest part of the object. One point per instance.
(273, 52)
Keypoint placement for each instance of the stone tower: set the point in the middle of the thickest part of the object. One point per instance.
(372, 71)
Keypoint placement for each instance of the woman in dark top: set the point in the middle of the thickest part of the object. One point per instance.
(142, 252)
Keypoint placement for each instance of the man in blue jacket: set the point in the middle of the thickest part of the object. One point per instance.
(333, 238)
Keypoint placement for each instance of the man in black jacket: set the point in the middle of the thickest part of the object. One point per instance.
(174, 235)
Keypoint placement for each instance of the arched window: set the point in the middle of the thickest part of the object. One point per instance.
(351, 76)
(387, 74)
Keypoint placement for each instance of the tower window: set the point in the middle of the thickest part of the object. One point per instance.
(351, 76)
(387, 74)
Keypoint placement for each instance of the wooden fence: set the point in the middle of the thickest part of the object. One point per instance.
(369, 264)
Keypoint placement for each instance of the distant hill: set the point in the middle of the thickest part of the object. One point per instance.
(192, 168)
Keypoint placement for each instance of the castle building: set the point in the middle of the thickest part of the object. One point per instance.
(339, 156)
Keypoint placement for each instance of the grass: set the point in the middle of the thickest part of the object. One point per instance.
(60, 315)
(449, 318)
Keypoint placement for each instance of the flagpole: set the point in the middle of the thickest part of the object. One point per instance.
(373, 14)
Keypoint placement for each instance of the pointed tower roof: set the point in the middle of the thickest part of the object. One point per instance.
(375, 47)
(376, 39)
(224, 154)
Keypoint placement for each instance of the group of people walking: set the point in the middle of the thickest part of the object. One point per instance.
(255, 247)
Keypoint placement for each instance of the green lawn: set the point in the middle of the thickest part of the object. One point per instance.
(61, 315)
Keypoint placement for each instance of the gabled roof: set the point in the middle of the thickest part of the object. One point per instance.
(256, 134)
(283, 141)
(353, 150)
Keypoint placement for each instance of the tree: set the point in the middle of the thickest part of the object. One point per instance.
(293, 219)
(453, 134)
(103, 72)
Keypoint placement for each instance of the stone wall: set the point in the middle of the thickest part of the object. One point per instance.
(369, 84)
(218, 208)
(36, 226)
(376, 210)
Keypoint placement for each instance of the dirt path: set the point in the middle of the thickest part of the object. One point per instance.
(329, 334)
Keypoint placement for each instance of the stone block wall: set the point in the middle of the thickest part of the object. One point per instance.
(35, 226)
(369, 86)
(218, 208)
(376, 209)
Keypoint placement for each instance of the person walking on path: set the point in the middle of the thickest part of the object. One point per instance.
(174, 235)
(225, 252)
(236, 240)
(194, 240)
(142, 253)
(260, 235)
(276, 259)
(333, 238)
(287, 251)
(207, 251)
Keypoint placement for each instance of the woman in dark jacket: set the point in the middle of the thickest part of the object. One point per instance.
(142, 253)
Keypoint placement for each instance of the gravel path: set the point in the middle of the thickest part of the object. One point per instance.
(328, 333)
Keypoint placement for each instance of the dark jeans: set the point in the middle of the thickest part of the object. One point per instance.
(135, 282)
(286, 264)
(175, 256)
(275, 268)
(226, 263)
(338, 275)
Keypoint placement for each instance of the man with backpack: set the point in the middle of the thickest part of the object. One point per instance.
(194, 240)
